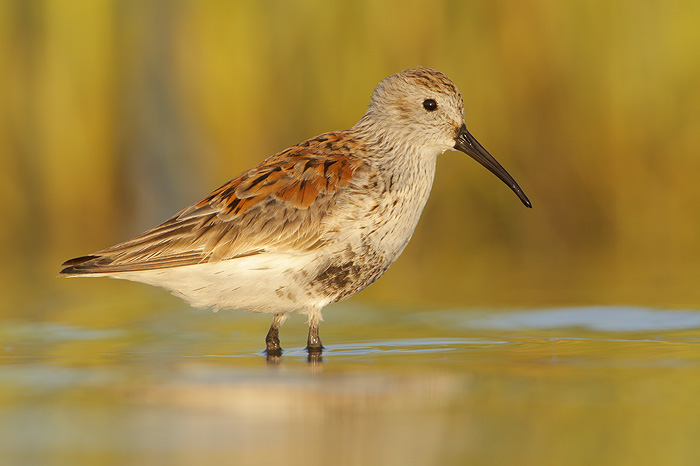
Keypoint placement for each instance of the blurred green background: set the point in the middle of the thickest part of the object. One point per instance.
(116, 114)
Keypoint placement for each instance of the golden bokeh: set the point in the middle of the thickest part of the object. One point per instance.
(116, 114)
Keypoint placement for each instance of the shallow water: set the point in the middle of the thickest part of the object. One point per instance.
(586, 385)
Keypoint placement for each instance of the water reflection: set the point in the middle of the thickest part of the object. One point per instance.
(557, 386)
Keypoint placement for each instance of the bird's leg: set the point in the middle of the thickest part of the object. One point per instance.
(313, 343)
(272, 340)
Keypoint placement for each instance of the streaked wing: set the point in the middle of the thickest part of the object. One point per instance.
(277, 205)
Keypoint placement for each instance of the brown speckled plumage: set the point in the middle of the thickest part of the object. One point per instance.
(313, 224)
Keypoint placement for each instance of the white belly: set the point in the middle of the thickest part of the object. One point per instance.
(267, 282)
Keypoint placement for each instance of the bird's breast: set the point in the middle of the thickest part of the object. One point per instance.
(379, 219)
(400, 207)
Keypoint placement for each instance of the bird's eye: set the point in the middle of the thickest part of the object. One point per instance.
(430, 105)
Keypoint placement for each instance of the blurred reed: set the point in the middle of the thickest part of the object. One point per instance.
(115, 114)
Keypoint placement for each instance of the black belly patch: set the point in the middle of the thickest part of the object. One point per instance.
(344, 279)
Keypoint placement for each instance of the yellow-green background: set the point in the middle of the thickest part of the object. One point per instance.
(116, 114)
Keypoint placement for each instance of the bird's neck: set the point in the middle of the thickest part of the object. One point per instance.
(408, 169)
(393, 144)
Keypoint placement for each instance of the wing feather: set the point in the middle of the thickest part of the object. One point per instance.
(276, 205)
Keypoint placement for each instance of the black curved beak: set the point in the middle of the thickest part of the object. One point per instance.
(466, 143)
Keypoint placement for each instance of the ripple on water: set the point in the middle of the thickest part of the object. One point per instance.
(411, 345)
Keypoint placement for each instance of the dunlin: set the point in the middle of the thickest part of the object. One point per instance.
(313, 224)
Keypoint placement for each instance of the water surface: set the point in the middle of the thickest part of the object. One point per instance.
(585, 385)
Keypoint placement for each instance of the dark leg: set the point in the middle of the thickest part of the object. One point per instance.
(313, 343)
(272, 340)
